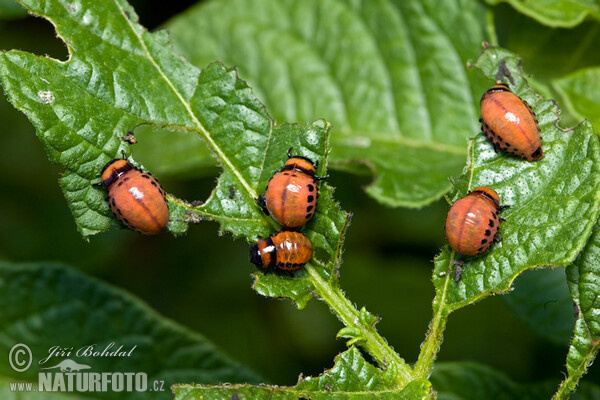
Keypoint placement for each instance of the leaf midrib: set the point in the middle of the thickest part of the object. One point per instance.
(224, 159)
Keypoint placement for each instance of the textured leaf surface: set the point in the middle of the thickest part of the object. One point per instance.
(554, 202)
(556, 13)
(43, 302)
(350, 378)
(118, 77)
(389, 75)
(584, 283)
(581, 91)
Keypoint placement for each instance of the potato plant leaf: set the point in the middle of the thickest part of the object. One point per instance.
(474, 381)
(541, 300)
(350, 378)
(581, 92)
(10, 9)
(389, 75)
(118, 77)
(556, 13)
(554, 202)
(47, 304)
(583, 277)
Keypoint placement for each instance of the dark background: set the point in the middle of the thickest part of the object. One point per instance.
(203, 280)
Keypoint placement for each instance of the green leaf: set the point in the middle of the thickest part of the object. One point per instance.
(10, 9)
(554, 202)
(174, 153)
(581, 92)
(10, 390)
(350, 378)
(550, 52)
(45, 305)
(556, 13)
(389, 75)
(583, 277)
(475, 381)
(118, 77)
(541, 300)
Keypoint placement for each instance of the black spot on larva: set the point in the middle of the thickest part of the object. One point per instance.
(294, 175)
(146, 176)
(311, 188)
(154, 183)
(288, 265)
(280, 264)
(119, 212)
(494, 214)
(113, 202)
(508, 144)
(479, 250)
(491, 223)
(308, 216)
(500, 138)
(120, 183)
(488, 232)
(483, 241)
(310, 199)
(125, 221)
(286, 173)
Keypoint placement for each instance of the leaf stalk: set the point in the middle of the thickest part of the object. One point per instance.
(347, 313)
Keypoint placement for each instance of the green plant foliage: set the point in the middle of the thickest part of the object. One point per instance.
(81, 107)
(7, 394)
(581, 92)
(556, 13)
(350, 378)
(583, 277)
(474, 381)
(554, 202)
(10, 9)
(389, 75)
(181, 154)
(542, 301)
(43, 302)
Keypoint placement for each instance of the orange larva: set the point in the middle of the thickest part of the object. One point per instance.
(510, 124)
(283, 251)
(135, 197)
(291, 196)
(472, 222)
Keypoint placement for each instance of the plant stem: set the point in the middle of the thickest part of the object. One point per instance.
(373, 343)
(435, 335)
(567, 386)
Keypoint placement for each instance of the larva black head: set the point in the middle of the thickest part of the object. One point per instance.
(487, 193)
(500, 87)
(538, 154)
(113, 169)
(255, 257)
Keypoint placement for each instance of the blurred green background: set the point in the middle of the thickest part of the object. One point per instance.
(203, 280)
